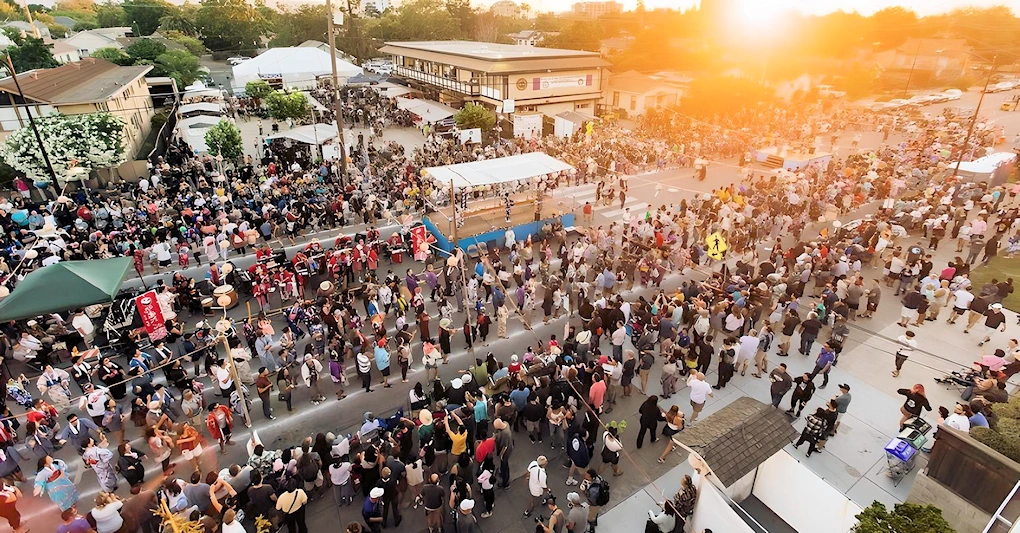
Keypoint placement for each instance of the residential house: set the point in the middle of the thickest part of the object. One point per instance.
(635, 93)
(27, 29)
(936, 57)
(531, 37)
(87, 42)
(64, 53)
(615, 45)
(66, 22)
(88, 86)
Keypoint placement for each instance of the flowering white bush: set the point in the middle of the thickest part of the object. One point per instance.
(89, 141)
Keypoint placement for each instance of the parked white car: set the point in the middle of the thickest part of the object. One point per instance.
(234, 61)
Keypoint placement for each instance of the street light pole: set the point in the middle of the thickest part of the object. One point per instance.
(974, 119)
(337, 108)
(911, 73)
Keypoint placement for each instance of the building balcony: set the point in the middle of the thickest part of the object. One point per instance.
(441, 82)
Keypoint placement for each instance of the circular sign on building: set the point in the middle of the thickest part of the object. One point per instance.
(522, 84)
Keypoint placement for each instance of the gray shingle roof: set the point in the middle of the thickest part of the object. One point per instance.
(739, 437)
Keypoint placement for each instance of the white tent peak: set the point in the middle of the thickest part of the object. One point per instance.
(298, 66)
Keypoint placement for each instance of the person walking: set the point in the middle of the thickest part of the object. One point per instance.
(537, 483)
(813, 431)
(577, 453)
(264, 388)
(781, 384)
(649, 416)
(803, 390)
(9, 496)
(700, 392)
(907, 346)
(611, 447)
(994, 320)
(823, 364)
(433, 499)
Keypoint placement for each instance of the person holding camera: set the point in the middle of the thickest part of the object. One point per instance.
(577, 516)
(557, 519)
(537, 482)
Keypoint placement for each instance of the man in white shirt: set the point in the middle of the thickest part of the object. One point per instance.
(83, 325)
(961, 303)
(537, 482)
(700, 392)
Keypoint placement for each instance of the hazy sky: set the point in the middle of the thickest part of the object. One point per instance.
(923, 7)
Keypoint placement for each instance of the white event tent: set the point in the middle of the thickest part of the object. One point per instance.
(315, 134)
(428, 110)
(297, 66)
(495, 171)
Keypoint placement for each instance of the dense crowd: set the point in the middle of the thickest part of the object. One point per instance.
(450, 452)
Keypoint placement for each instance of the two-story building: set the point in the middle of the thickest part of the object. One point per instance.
(546, 80)
(87, 86)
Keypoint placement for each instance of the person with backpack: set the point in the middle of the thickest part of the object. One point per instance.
(537, 482)
(577, 453)
(596, 490)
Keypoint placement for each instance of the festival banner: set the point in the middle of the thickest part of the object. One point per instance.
(152, 315)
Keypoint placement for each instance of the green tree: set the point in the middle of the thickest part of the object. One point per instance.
(193, 45)
(114, 55)
(58, 31)
(293, 27)
(419, 20)
(91, 141)
(231, 25)
(144, 15)
(905, 518)
(29, 53)
(110, 15)
(257, 89)
(581, 35)
(475, 116)
(179, 65)
(283, 105)
(224, 139)
(145, 49)
(178, 20)
(354, 38)
(891, 26)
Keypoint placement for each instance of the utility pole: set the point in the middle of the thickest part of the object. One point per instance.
(337, 108)
(974, 119)
(31, 121)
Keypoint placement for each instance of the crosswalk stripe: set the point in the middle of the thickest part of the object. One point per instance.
(636, 209)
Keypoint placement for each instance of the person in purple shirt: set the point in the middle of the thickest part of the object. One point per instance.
(824, 364)
(411, 280)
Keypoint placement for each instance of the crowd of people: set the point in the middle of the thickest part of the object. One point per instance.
(782, 278)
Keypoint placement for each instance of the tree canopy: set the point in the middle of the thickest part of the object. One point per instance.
(29, 53)
(230, 25)
(475, 116)
(224, 139)
(283, 105)
(91, 141)
(144, 15)
(145, 49)
(292, 27)
(904, 518)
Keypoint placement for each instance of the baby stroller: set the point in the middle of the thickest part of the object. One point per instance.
(18, 391)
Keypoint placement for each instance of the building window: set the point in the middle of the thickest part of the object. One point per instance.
(582, 106)
(633, 102)
(616, 99)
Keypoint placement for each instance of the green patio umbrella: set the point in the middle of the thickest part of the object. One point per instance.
(64, 286)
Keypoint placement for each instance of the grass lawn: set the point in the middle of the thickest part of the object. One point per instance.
(999, 268)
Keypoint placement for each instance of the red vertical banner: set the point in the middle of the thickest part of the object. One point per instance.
(152, 315)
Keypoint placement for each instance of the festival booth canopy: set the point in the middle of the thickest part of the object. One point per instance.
(66, 285)
(297, 66)
(428, 110)
(204, 107)
(199, 90)
(393, 90)
(309, 134)
(499, 170)
(994, 168)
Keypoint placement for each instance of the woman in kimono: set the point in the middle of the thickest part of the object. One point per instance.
(53, 381)
(101, 461)
(52, 479)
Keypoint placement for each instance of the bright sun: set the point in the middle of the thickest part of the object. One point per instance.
(756, 14)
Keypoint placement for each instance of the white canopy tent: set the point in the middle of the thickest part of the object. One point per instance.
(428, 110)
(392, 90)
(316, 105)
(499, 170)
(315, 134)
(205, 107)
(199, 90)
(298, 66)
